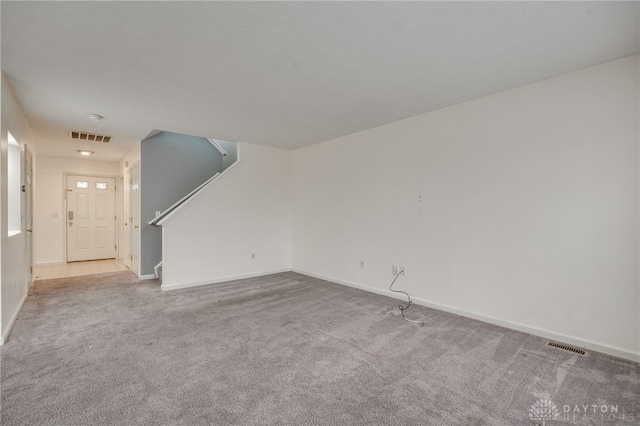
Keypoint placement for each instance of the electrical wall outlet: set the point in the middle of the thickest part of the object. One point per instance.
(402, 270)
(394, 269)
(362, 264)
(253, 255)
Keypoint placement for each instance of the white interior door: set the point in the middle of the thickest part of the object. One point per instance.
(28, 179)
(91, 218)
(127, 217)
(134, 222)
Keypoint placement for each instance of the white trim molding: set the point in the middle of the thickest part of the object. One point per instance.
(14, 317)
(147, 277)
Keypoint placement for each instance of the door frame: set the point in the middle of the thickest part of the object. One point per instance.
(64, 208)
(120, 218)
(129, 217)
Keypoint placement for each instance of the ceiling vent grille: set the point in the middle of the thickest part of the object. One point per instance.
(567, 348)
(92, 137)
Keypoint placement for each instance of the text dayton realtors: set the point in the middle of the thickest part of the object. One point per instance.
(593, 412)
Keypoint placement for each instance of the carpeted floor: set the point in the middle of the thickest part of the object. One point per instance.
(286, 349)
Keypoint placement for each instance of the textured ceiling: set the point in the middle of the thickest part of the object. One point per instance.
(285, 74)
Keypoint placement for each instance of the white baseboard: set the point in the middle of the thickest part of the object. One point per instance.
(147, 277)
(178, 286)
(50, 262)
(14, 317)
(547, 334)
(151, 276)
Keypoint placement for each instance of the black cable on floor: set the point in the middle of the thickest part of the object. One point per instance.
(401, 306)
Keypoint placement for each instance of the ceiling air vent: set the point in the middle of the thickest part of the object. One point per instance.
(567, 348)
(84, 136)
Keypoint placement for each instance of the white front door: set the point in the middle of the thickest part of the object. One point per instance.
(91, 218)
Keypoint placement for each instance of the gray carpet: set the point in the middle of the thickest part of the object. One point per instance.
(286, 349)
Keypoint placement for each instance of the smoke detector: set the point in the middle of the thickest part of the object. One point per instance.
(95, 117)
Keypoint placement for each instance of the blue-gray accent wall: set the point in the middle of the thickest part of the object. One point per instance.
(171, 166)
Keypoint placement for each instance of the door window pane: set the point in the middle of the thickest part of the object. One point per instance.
(101, 185)
(82, 185)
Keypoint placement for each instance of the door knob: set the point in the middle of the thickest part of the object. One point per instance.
(70, 223)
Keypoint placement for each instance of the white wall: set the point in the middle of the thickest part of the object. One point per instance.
(131, 158)
(519, 208)
(246, 210)
(49, 231)
(13, 250)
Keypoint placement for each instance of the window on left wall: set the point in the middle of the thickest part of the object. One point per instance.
(13, 186)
